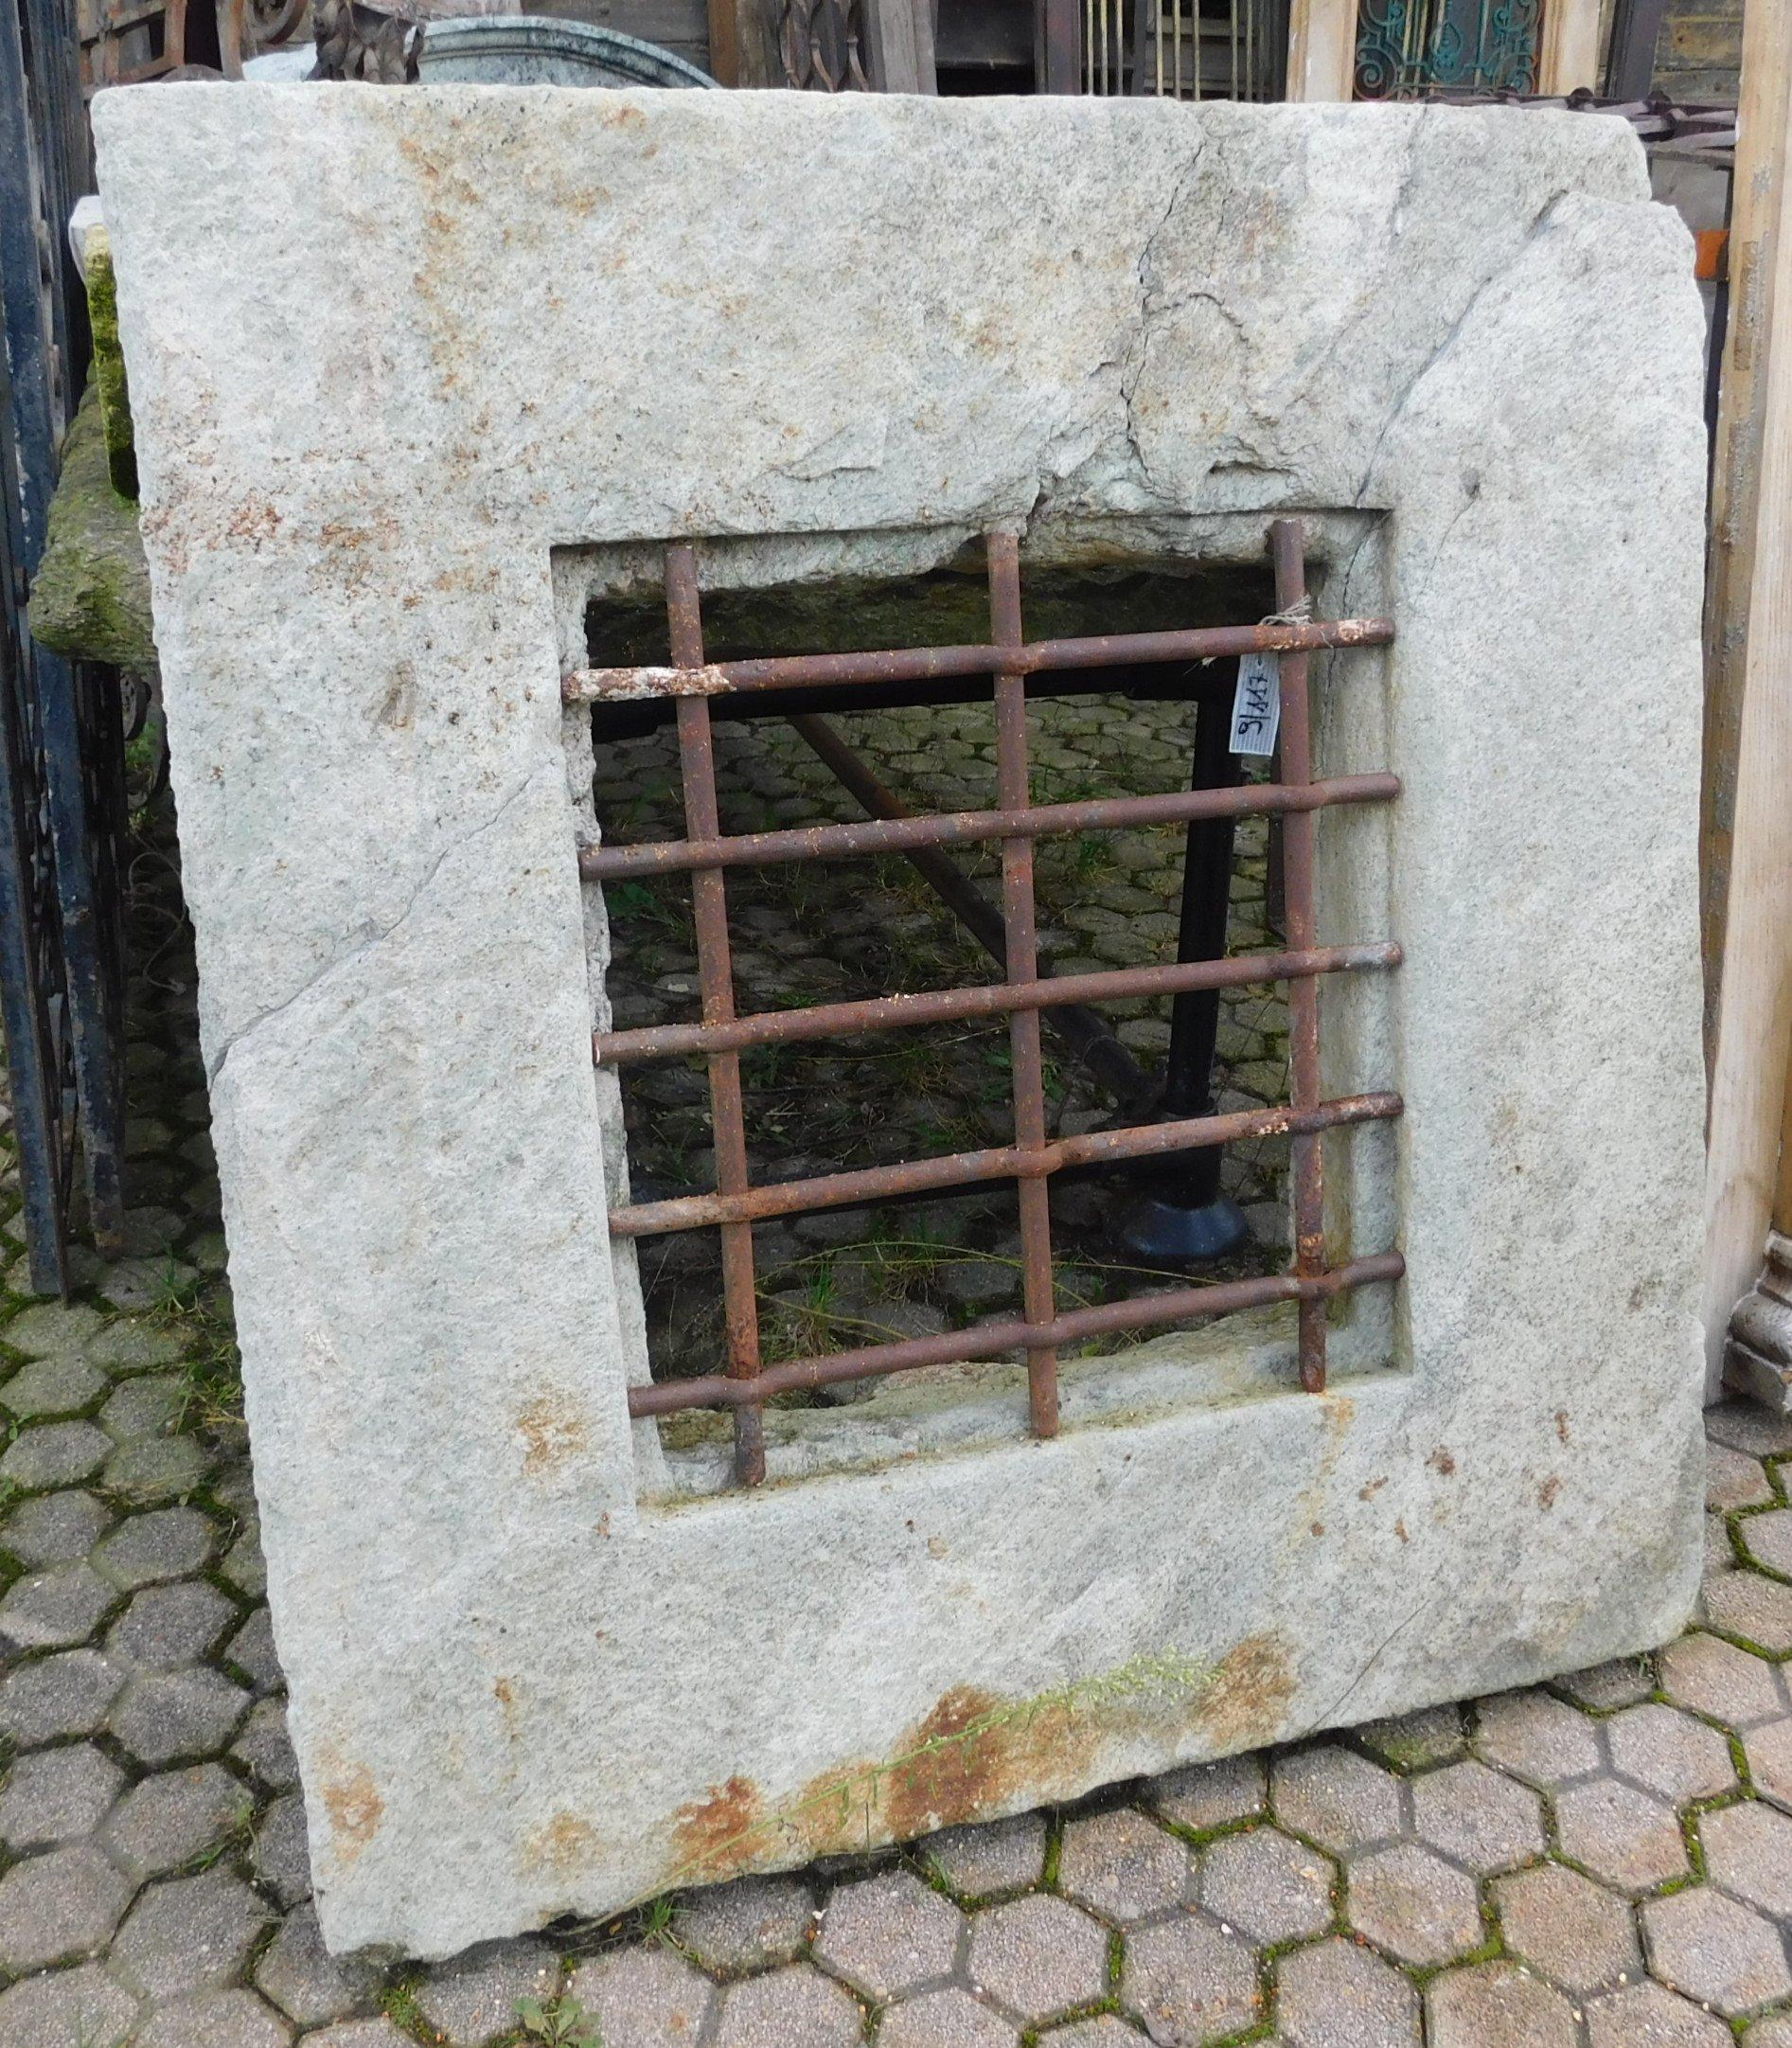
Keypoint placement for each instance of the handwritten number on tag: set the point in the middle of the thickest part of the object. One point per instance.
(1256, 704)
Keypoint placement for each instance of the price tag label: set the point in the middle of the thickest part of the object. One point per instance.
(1256, 704)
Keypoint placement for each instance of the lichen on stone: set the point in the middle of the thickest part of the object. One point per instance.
(108, 367)
(89, 597)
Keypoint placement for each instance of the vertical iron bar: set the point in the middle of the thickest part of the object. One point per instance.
(1023, 958)
(1286, 541)
(715, 973)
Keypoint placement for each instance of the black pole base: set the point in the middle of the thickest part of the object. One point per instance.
(1160, 1233)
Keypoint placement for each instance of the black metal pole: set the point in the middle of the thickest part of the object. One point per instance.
(1180, 1214)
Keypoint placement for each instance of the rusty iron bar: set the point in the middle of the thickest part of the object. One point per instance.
(993, 999)
(1038, 1292)
(1287, 540)
(1085, 1031)
(997, 1162)
(988, 1340)
(902, 835)
(927, 664)
(714, 971)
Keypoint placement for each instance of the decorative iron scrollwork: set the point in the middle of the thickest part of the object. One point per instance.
(1409, 46)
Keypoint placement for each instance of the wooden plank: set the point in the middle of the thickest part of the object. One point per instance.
(1568, 52)
(1321, 50)
(1746, 828)
(899, 39)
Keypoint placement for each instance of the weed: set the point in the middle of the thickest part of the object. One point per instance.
(559, 2022)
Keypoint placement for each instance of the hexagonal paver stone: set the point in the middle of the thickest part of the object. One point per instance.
(265, 1747)
(1669, 1753)
(1626, 1837)
(144, 1407)
(1122, 1865)
(135, 1344)
(1497, 2006)
(1001, 1856)
(55, 1796)
(1749, 1852)
(57, 1906)
(251, 1649)
(949, 2019)
(1414, 1905)
(1647, 2016)
(305, 1981)
(55, 1455)
(1211, 1795)
(1038, 1957)
(169, 1542)
(473, 2000)
(216, 2019)
(1715, 1950)
(50, 1330)
(1537, 1737)
(1266, 1884)
(1484, 1820)
(245, 1567)
(189, 1934)
(746, 1925)
(83, 2007)
(1411, 1741)
(167, 1820)
(1341, 1799)
(141, 1283)
(54, 1609)
(1102, 2031)
(149, 1469)
(788, 2008)
(1773, 2033)
(65, 1695)
(1337, 1995)
(1622, 1682)
(1759, 1609)
(889, 1935)
(640, 1998)
(1717, 1679)
(168, 1626)
(52, 1386)
(167, 1714)
(1568, 1927)
(1768, 1537)
(1189, 1982)
(55, 1528)
(1732, 1479)
(282, 1851)
(361, 2034)
(1746, 1426)
(1769, 1752)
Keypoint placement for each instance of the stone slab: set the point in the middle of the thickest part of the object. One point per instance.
(526, 1677)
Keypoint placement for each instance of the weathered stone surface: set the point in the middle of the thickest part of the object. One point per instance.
(1567, 1928)
(1262, 312)
(1623, 1836)
(1335, 1995)
(1497, 2006)
(83, 2007)
(54, 1609)
(64, 1694)
(1646, 2016)
(1538, 1738)
(234, 2018)
(639, 1997)
(55, 1528)
(168, 1626)
(305, 1981)
(1038, 1957)
(1669, 1753)
(1749, 1852)
(1190, 1981)
(788, 2008)
(1715, 1950)
(169, 1715)
(1270, 1886)
(167, 1820)
(949, 2018)
(1414, 1905)
(189, 1934)
(1210, 1795)
(1481, 1819)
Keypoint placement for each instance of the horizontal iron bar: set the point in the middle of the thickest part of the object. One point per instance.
(921, 664)
(986, 1340)
(998, 1163)
(1036, 821)
(999, 999)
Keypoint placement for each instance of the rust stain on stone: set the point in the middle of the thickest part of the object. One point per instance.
(721, 1832)
(355, 1807)
(1546, 1492)
(1441, 1460)
(1247, 1702)
(554, 1431)
(564, 1844)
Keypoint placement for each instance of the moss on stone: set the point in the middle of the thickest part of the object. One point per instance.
(90, 599)
(108, 370)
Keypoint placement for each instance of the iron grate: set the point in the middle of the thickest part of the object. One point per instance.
(706, 854)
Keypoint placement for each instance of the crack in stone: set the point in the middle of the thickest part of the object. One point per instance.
(374, 938)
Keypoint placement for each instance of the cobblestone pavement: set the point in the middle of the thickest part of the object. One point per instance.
(1604, 1862)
